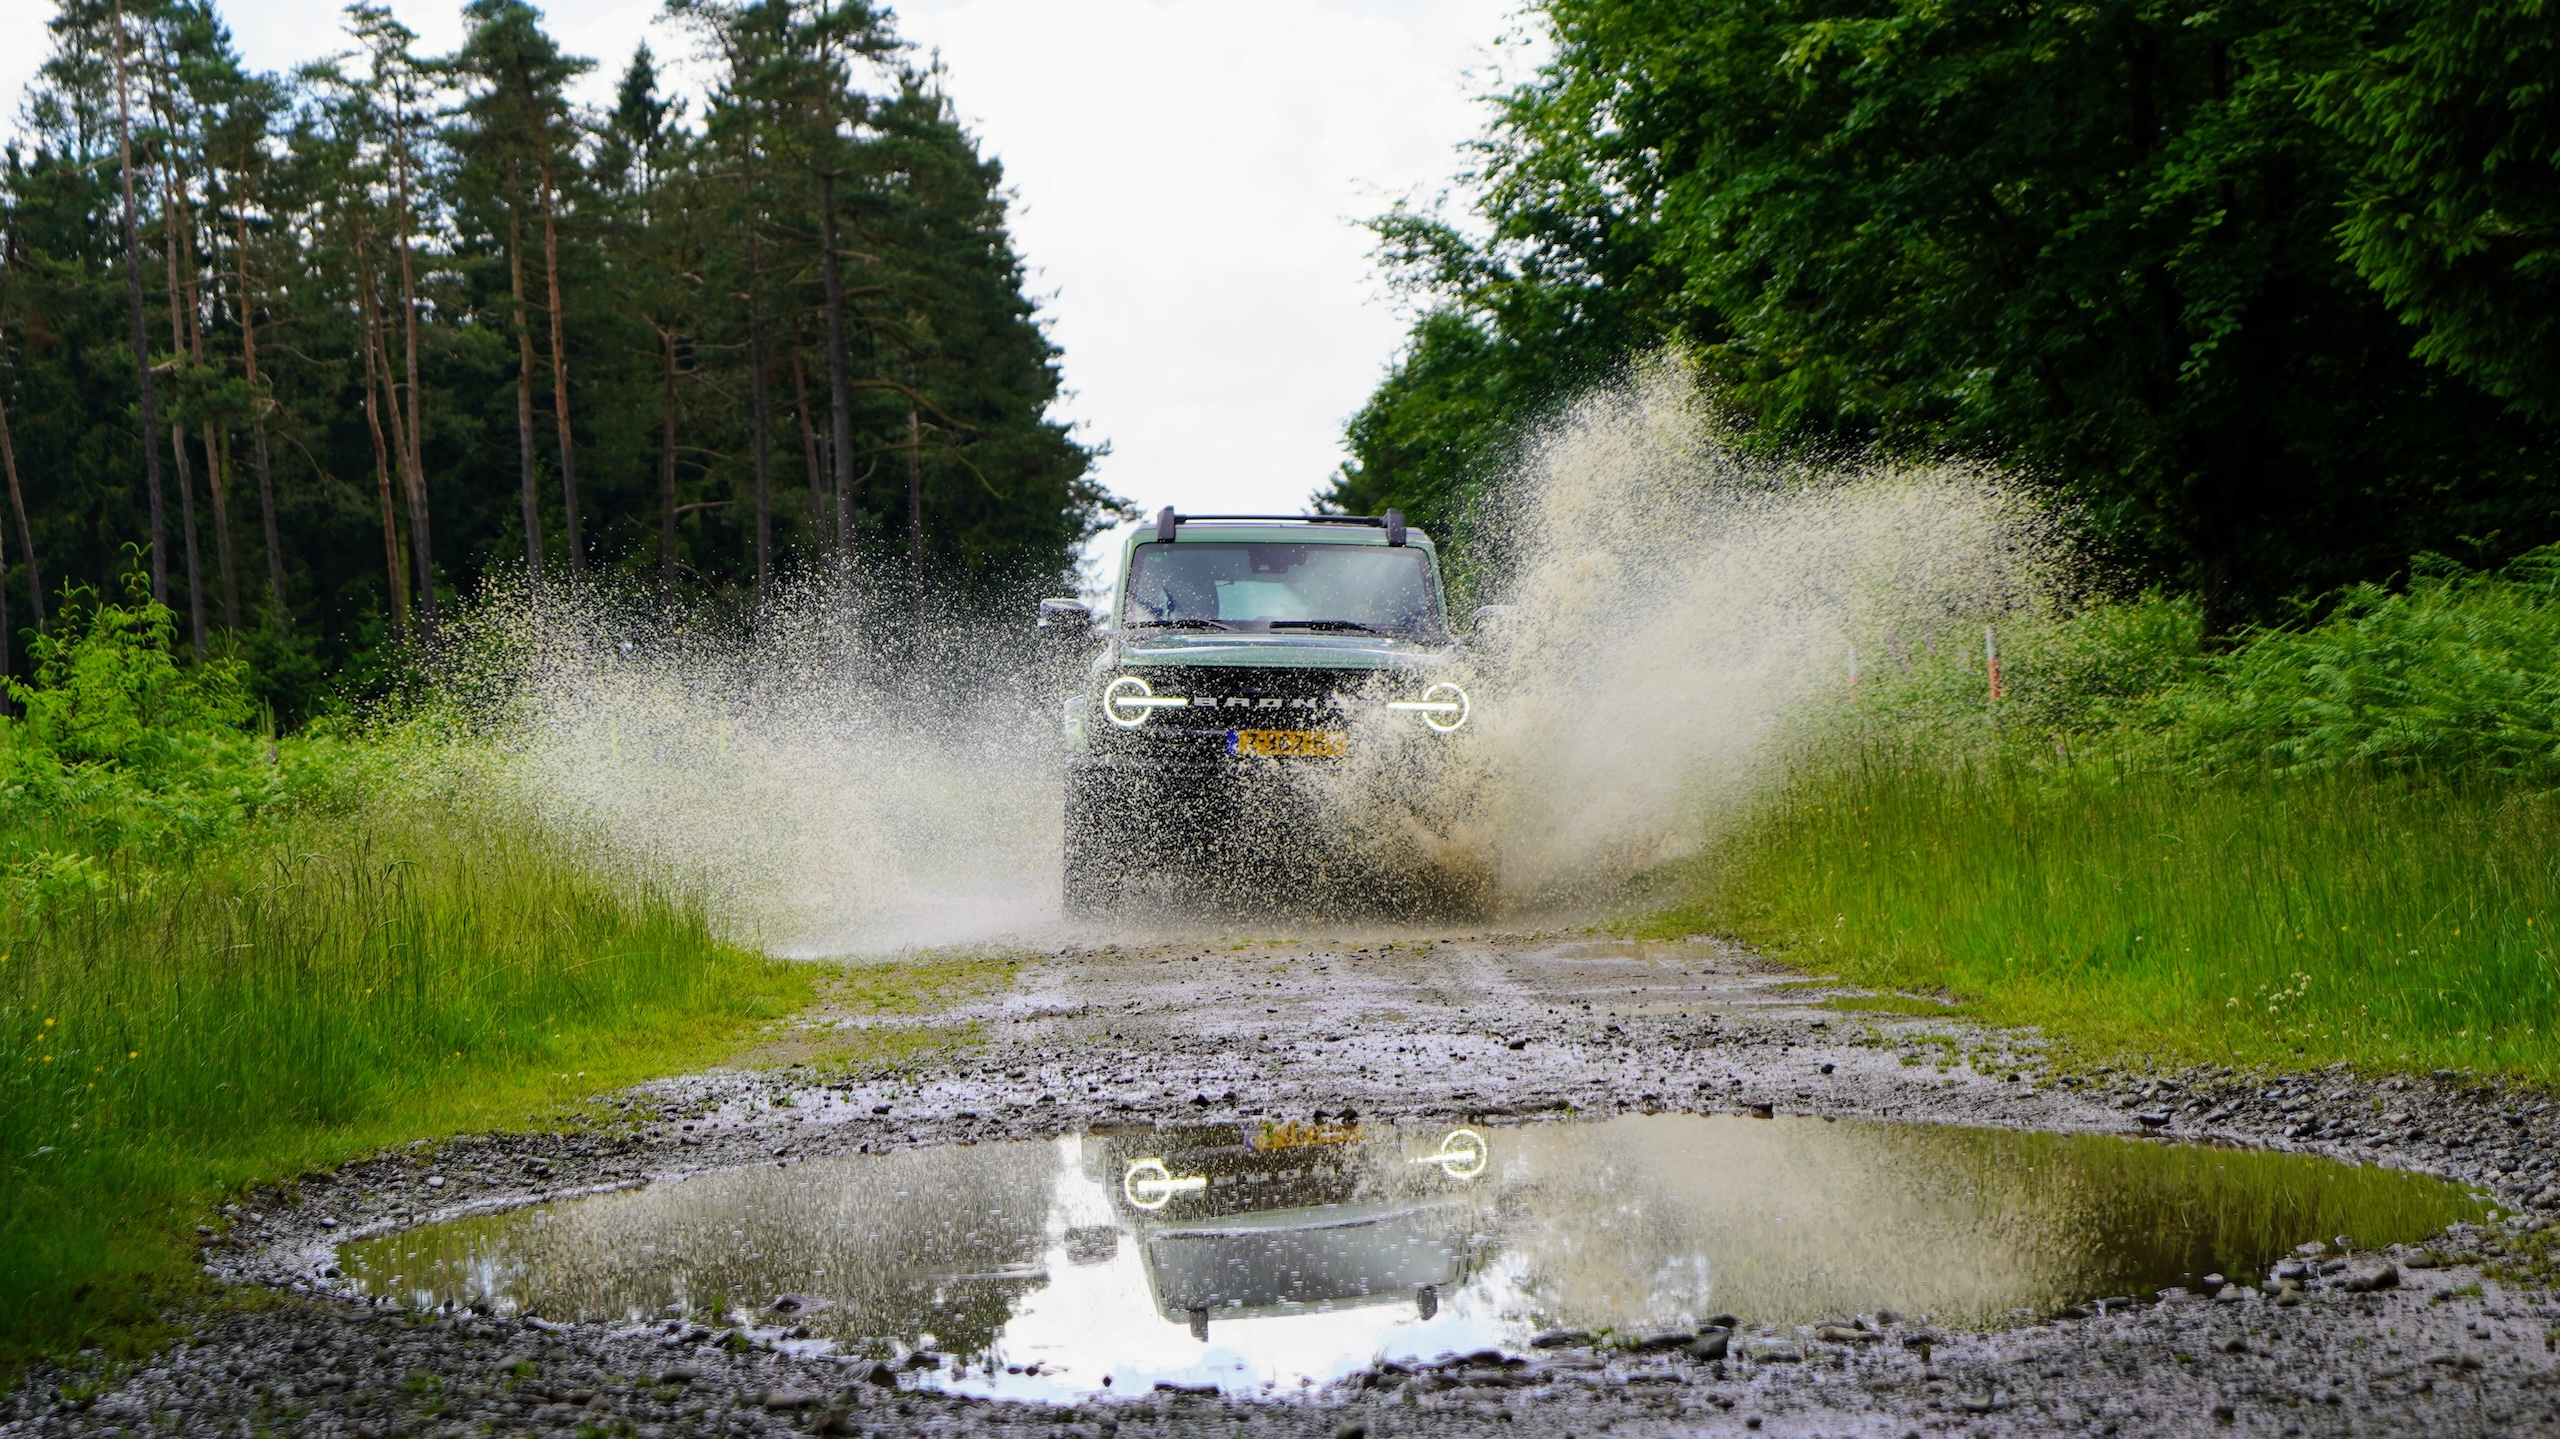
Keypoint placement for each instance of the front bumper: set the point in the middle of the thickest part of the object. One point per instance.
(1168, 809)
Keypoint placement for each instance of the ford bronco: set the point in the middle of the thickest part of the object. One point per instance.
(1236, 653)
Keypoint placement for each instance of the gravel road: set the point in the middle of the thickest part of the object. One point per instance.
(2454, 1342)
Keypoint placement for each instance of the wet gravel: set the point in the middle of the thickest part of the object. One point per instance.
(2349, 1342)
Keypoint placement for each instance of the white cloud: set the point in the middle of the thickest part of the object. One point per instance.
(1189, 172)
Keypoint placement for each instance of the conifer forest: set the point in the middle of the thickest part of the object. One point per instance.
(310, 355)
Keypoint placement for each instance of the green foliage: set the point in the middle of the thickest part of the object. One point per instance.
(224, 959)
(122, 749)
(2453, 107)
(2097, 243)
(108, 688)
(2457, 675)
(2334, 841)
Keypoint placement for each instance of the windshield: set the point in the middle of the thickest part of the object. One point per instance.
(1348, 588)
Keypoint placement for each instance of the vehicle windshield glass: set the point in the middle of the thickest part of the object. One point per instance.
(1264, 587)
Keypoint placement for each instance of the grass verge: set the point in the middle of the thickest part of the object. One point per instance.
(2390, 921)
(317, 986)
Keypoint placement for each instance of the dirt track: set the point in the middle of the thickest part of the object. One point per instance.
(1410, 1028)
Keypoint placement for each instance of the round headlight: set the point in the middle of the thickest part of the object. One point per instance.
(1149, 1185)
(1128, 700)
(1444, 707)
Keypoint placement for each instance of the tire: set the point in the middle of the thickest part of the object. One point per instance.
(1092, 880)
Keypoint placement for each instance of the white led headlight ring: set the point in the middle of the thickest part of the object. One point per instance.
(1148, 1185)
(1461, 1154)
(1128, 700)
(1444, 707)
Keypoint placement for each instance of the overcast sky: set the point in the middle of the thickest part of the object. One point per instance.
(1190, 176)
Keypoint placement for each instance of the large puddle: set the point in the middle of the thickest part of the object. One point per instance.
(1265, 1258)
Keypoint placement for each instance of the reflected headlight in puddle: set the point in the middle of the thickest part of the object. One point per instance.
(1149, 1185)
(1461, 1154)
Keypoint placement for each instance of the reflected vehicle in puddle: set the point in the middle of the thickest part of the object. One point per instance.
(1272, 1258)
(1236, 1222)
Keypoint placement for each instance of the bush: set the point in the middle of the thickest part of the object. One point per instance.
(2459, 674)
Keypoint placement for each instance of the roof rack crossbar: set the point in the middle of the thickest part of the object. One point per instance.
(1167, 521)
(1301, 519)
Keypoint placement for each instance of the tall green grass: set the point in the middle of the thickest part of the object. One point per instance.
(2338, 841)
(2384, 920)
(226, 959)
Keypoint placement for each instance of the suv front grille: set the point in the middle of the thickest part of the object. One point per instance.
(1224, 700)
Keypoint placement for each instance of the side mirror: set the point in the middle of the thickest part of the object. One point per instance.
(1065, 619)
(1491, 624)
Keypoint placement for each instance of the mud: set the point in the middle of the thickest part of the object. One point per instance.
(1405, 1030)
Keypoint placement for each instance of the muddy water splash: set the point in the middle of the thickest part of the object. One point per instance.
(1676, 605)
(832, 786)
(839, 784)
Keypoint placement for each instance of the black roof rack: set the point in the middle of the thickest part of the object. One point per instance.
(1392, 522)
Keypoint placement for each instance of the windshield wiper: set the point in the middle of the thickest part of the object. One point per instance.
(1178, 625)
(1346, 626)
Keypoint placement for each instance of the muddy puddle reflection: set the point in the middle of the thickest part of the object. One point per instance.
(1267, 1258)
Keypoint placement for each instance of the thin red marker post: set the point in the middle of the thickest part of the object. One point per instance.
(1991, 661)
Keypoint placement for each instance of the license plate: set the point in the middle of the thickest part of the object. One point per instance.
(1297, 1134)
(1289, 743)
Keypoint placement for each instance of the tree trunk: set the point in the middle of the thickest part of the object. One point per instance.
(182, 344)
(187, 523)
(560, 382)
(282, 616)
(667, 469)
(217, 464)
(216, 456)
(915, 497)
(8, 706)
(186, 472)
(377, 381)
(378, 340)
(207, 283)
(839, 383)
(26, 535)
(413, 450)
(278, 610)
(141, 332)
(524, 398)
(809, 447)
(762, 405)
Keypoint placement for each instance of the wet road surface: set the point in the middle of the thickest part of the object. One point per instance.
(1394, 1034)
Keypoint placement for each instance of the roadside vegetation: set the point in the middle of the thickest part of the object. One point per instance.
(227, 957)
(2333, 841)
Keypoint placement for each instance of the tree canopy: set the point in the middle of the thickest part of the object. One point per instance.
(2264, 290)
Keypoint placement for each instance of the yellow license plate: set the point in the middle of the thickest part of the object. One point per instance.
(1296, 1134)
(1289, 743)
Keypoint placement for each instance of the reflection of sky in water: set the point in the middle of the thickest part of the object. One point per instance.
(1034, 1255)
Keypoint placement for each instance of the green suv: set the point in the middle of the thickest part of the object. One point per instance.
(1240, 656)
